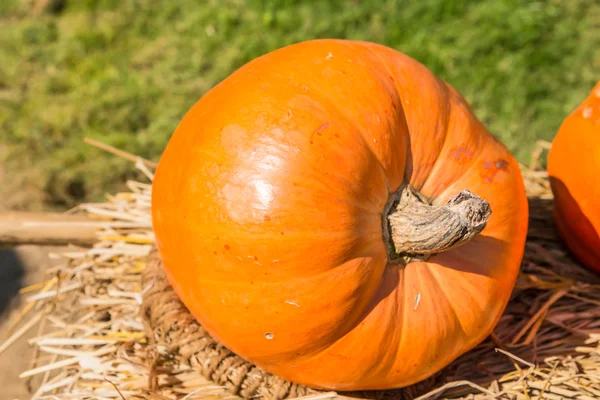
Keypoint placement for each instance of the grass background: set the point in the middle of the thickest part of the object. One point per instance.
(125, 71)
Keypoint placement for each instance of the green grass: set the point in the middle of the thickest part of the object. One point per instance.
(125, 71)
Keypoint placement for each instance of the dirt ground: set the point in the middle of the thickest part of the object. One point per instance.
(19, 267)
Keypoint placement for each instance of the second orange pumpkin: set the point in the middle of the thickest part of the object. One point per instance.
(300, 213)
(574, 170)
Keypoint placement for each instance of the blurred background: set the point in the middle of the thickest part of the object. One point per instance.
(124, 72)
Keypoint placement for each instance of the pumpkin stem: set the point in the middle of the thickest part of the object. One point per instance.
(418, 229)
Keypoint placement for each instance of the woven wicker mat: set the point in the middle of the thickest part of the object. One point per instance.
(553, 309)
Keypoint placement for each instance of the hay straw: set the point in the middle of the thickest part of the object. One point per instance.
(92, 342)
(120, 153)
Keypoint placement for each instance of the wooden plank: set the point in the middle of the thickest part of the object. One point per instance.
(18, 228)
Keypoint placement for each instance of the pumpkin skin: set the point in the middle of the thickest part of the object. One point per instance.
(268, 204)
(574, 171)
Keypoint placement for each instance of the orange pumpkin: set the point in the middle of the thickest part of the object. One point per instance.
(300, 213)
(574, 170)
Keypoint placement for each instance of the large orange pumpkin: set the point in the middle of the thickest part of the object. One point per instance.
(574, 170)
(300, 213)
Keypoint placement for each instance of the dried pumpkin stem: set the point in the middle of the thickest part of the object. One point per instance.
(419, 229)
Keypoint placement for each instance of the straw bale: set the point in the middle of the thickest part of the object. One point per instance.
(110, 327)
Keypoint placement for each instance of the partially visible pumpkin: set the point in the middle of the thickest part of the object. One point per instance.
(299, 210)
(574, 170)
